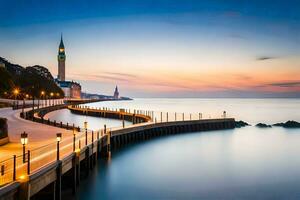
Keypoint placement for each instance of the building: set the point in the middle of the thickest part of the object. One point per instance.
(116, 93)
(61, 57)
(71, 89)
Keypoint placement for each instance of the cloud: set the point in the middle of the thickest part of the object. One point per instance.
(261, 58)
(120, 74)
(286, 84)
(108, 76)
(282, 84)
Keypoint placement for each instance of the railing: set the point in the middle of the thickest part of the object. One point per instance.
(19, 167)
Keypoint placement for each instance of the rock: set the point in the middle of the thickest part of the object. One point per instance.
(262, 125)
(239, 124)
(288, 124)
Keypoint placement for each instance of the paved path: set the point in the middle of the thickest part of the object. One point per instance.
(38, 134)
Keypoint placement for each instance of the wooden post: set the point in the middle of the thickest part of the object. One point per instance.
(123, 122)
(58, 181)
(28, 162)
(15, 171)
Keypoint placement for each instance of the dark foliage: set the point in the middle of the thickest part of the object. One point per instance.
(30, 80)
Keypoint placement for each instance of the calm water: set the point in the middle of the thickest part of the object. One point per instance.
(246, 163)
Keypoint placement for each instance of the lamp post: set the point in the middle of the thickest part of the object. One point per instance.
(16, 92)
(85, 127)
(74, 138)
(51, 94)
(58, 139)
(24, 141)
(42, 96)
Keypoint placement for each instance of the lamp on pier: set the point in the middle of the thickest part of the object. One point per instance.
(74, 138)
(24, 141)
(85, 127)
(224, 114)
(58, 139)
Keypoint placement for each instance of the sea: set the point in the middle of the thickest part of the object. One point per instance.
(242, 163)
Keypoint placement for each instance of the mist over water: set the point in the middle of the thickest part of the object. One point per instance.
(245, 163)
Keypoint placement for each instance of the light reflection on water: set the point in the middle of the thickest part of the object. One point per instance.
(246, 163)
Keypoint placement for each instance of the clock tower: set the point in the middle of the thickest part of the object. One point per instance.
(61, 61)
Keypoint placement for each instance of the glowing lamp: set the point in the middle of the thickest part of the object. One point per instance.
(58, 137)
(24, 138)
(16, 91)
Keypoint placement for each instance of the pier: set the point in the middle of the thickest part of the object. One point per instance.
(62, 164)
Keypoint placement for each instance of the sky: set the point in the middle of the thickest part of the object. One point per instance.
(161, 48)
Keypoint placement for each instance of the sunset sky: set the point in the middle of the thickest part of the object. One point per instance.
(161, 48)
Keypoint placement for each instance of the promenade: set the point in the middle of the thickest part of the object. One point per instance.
(47, 161)
(38, 134)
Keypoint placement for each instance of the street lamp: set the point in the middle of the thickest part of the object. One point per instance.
(85, 127)
(51, 94)
(16, 91)
(74, 138)
(42, 95)
(24, 141)
(58, 139)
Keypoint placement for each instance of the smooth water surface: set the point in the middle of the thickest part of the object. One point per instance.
(246, 163)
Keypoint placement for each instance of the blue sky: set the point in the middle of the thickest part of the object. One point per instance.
(161, 48)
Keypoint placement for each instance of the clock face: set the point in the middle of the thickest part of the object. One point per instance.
(61, 57)
(61, 50)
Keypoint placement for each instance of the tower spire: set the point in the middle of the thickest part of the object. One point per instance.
(61, 45)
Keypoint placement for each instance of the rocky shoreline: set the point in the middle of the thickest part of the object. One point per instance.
(287, 124)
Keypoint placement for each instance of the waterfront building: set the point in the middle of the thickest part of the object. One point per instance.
(71, 89)
(116, 93)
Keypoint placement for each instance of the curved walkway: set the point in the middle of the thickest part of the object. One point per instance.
(38, 135)
(83, 146)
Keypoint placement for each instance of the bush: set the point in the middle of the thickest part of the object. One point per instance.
(3, 128)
